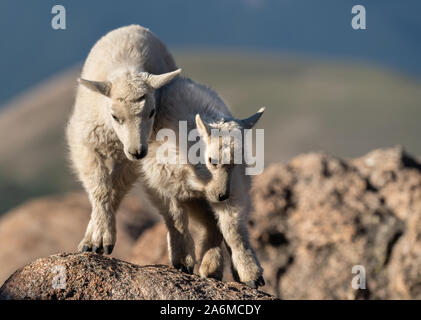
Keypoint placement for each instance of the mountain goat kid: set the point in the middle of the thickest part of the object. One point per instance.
(212, 191)
(112, 120)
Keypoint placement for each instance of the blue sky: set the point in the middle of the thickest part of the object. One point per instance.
(31, 50)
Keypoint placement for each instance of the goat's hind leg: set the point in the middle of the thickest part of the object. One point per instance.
(212, 260)
(180, 242)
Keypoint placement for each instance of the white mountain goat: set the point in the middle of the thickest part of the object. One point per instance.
(112, 120)
(214, 193)
(115, 136)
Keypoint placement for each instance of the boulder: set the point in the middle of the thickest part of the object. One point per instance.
(88, 276)
(319, 216)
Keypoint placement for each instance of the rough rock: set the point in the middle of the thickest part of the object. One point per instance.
(50, 225)
(319, 216)
(92, 276)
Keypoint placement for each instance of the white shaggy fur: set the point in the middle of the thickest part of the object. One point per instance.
(111, 126)
(183, 190)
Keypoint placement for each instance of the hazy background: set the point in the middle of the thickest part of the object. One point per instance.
(325, 85)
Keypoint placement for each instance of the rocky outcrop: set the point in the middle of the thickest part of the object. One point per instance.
(319, 216)
(50, 225)
(92, 276)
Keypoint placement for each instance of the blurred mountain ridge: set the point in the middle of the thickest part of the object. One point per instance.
(311, 105)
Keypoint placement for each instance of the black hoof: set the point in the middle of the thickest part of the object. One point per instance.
(108, 249)
(255, 284)
(190, 270)
(183, 268)
(260, 281)
(216, 275)
(95, 249)
(85, 248)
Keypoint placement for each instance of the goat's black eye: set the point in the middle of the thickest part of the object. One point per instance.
(141, 98)
(152, 113)
(117, 119)
(212, 162)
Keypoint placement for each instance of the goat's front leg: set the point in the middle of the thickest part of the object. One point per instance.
(180, 242)
(246, 266)
(106, 189)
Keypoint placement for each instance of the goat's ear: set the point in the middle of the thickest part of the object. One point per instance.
(156, 81)
(203, 129)
(102, 87)
(251, 121)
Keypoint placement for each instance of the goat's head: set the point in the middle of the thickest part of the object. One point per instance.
(131, 106)
(222, 145)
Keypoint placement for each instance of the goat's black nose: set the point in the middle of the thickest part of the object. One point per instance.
(140, 154)
(222, 197)
(143, 152)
